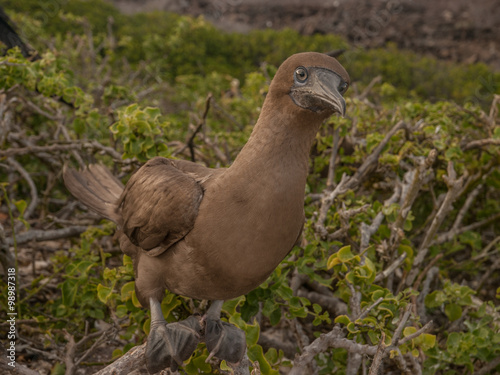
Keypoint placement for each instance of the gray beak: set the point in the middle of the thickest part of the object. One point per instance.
(325, 88)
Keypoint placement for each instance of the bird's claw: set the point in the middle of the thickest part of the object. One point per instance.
(224, 341)
(169, 345)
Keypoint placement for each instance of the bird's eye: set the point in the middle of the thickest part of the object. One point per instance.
(343, 88)
(301, 74)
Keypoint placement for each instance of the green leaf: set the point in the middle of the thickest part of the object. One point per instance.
(333, 260)
(121, 311)
(69, 289)
(374, 337)
(453, 311)
(230, 306)
(255, 353)
(79, 125)
(407, 331)
(21, 206)
(496, 132)
(268, 307)
(103, 293)
(275, 316)
(127, 260)
(298, 313)
(84, 266)
(471, 238)
(201, 365)
(369, 264)
(453, 153)
(224, 366)
(317, 308)
(252, 332)
(345, 254)
(58, 369)
(453, 340)
(351, 327)
(152, 112)
(169, 303)
(387, 307)
(435, 299)
(117, 353)
(109, 274)
(350, 277)
(342, 319)
(127, 290)
(272, 356)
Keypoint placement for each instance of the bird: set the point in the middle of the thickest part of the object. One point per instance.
(218, 233)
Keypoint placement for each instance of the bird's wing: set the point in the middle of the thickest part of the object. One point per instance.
(160, 204)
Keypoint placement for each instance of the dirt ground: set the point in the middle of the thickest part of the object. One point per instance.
(458, 30)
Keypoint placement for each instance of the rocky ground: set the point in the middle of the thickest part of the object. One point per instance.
(458, 30)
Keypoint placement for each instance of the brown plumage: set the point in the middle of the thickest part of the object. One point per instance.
(218, 233)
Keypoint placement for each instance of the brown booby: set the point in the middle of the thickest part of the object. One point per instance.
(216, 234)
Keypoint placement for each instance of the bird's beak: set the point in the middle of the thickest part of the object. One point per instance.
(325, 88)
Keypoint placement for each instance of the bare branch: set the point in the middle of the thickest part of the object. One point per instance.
(135, 360)
(370, 86)
(448, 236)
(327, 202)
(190, 140)
(330, 181)
(132, 360)
(400, 362)
(486, 251)
(269, 340)
(366, 311)
(34, 193)
(488, 367)
(368, 230)
(372, 159)
(335, 306)
(481, 143)
(455, 186)
(414, 180)
(401, 325)
(47, 235)
(427, 327)
(40, 111)
(92, 145)
(333, 339)
(389, 270)
(420, 306)
(379, 355)
(468, 203)
(348, 183)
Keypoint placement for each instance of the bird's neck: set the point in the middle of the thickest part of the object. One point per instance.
(280, 140)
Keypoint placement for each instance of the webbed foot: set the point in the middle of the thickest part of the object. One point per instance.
(223, 340)
(169, 345)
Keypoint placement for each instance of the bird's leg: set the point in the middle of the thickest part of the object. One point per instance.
(169, 345)
(224, 340)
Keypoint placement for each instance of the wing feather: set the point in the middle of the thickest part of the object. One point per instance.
(159, 205)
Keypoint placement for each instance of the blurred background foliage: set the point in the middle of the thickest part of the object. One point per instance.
(121, 89)
(175, 45)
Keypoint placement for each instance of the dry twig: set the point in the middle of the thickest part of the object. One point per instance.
(348, 183)
(455, 188)
(47, 235)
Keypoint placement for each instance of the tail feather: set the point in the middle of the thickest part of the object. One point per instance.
(96, 188)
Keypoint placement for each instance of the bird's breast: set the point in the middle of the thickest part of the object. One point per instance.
(244, 229)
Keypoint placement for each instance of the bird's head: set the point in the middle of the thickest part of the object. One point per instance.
(314, 81)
